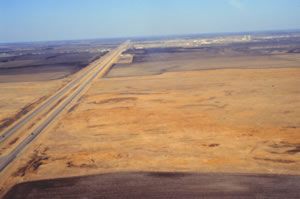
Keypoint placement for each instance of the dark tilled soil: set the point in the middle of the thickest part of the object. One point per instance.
(154, 61)
(41, 62)
(162, 185)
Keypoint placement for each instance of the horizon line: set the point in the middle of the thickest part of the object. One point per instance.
(157, 36)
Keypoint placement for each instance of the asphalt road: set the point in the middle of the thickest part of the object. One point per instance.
(5, 161)
(161, 185)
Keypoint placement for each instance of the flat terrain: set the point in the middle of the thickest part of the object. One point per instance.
(162, 185)
(43, 61)
(31, 72)
(150, 61)
(19, 98)
(244, 121)
(221, 109)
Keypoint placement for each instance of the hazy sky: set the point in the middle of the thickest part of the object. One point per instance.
(34, 20)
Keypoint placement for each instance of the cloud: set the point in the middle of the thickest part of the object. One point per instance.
(236, 3)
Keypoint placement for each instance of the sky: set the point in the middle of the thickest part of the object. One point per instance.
(46, 20)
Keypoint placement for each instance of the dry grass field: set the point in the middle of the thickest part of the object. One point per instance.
(167, 111)
(31, 72)
(209, 121)
(19, 98)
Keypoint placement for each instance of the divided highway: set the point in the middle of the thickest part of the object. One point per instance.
(45, 113)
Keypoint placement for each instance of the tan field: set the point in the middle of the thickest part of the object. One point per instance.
(162, 113)
(209, 121)
(19, 98)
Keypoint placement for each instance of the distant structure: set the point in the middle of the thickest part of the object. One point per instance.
(247, 38)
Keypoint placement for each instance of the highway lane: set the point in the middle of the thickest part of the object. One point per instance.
(5, 161)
